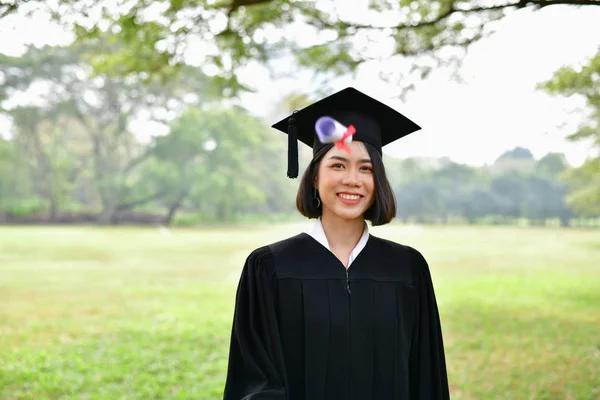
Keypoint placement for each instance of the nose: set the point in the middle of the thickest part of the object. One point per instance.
(351, 178)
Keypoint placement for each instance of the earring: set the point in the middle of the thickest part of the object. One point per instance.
(316, 198)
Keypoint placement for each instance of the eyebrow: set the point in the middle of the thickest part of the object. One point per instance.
(364, 160)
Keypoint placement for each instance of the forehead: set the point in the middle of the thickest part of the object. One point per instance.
(358, 149)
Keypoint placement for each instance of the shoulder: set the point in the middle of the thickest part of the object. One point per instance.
(289, 251)
(263, 259)
(260, 255)
(289, 244)
(403, 255)
(394, 250)
(260, 263)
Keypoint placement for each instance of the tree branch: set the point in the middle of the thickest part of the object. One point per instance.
(545, 3)
(6, 9)
(136, 161)
(452, 10)
(144, 200)
(232, 6)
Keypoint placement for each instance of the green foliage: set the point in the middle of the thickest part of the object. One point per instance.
(258, 30)
(517, 153)
(82, 152)
(551, 165)
(73, 154)
(25, 207)
(220, 163)
(584, 183)
(584, 82)
(73, 142)
(506, 191)
(8, 183)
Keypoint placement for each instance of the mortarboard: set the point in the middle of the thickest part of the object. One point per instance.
(373, 122)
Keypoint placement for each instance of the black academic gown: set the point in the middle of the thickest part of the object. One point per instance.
(305, 328)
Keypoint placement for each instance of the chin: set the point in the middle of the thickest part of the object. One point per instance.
(349, 215)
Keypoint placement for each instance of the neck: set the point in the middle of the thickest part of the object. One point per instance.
(342, 233)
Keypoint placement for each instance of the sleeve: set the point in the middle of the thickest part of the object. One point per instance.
(256, 368)
(428, 375)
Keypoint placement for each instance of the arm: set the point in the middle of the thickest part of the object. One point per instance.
(427, 360)
(256, 368)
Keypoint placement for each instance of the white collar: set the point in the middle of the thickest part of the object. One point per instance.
(318, 233)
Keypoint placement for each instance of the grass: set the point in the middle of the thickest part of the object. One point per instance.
(140, 313)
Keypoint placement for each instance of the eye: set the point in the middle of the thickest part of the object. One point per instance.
(367, 168)
(337, 165)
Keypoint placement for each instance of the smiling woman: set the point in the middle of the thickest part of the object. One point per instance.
(335, 312)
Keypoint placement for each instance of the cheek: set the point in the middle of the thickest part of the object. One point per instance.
(370, 184)
(326, 179)
(371, 190)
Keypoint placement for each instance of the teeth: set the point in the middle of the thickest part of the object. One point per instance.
(349, 196)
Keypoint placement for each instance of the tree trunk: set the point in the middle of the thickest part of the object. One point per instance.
(174, 207)
(110, 206)
(443, 218)
(221, 213)
(53, 210)
(47, 174)
(107, 216)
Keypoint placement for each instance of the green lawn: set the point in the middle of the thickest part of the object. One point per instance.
(136, 313)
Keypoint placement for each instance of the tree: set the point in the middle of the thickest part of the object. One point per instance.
(219, 162)
(420, 200)
(583, 82)
(83, 122)
(155, 35)
(517, 160)
(551, 165)
(550, 168)
(16, 192)
(518, 153)
(48, 164)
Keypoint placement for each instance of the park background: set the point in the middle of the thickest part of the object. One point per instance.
(138, 170)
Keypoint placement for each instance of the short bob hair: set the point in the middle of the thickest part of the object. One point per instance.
(381, 212)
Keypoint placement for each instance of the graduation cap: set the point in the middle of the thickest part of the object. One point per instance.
(340, 118)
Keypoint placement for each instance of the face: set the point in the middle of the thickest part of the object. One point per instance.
(345, 182)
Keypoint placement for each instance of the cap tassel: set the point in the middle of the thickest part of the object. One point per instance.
(292, 171)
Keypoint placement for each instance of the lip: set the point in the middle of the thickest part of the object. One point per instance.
(348, 201)
(351, 194)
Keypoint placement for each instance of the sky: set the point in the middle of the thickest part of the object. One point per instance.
(496, 109)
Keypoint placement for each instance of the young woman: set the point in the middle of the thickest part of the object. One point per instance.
(335, 312)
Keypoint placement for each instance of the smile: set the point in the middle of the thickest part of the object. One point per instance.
(350, 199)
(349, 196)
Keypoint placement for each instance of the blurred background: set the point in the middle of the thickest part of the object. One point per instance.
(138, 169)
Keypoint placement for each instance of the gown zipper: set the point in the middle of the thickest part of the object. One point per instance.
(348, 381)
(348, 282)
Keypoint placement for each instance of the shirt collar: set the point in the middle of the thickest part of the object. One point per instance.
(318, 233)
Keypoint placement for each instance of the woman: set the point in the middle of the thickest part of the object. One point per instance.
(335, 312)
